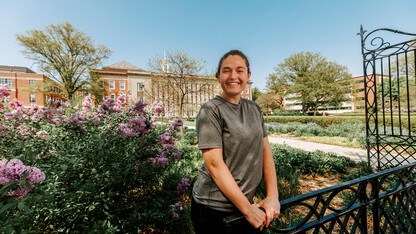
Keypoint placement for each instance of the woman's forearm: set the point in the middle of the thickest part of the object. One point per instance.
(269, 171)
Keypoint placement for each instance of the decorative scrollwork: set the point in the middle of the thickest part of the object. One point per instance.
(379, 47)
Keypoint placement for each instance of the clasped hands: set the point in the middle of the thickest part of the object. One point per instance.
(258, 218)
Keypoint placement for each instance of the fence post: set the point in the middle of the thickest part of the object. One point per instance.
(363, 200)
(376, 205)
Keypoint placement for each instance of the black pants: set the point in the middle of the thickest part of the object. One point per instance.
(209, 221)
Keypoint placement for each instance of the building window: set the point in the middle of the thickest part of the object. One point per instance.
(140, 87)
(32, 98)
(31, 82)
(112, 84)
(7, 82)
(122, 85)
(247, 90)
(113, 97)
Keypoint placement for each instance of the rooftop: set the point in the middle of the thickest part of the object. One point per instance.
(124, 65)
(4, 68)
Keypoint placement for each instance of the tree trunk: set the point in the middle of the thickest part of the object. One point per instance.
(181, 116)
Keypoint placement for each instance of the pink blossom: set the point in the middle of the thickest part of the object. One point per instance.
(14, 170)
(42, 134)
(3, 91)
(121, 99)
(3, 162)
(158, 106)
(15, 104)
(87, 103)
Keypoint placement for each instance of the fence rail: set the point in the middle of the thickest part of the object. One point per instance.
(383, 202)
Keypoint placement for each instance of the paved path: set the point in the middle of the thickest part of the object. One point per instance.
(353, 153)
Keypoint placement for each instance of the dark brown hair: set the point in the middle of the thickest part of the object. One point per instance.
(233, 52)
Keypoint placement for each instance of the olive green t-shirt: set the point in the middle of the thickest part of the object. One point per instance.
(239, 130)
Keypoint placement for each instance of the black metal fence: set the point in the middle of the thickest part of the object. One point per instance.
(383, 202)
(390, 97)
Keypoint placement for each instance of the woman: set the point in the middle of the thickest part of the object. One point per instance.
(233, 140)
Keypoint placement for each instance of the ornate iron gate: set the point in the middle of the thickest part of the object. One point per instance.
(390, 97)
(383, 202)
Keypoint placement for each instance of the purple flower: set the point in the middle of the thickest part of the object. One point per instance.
(108, 107)
(87, 103)
(3, 91)
(14, 170)
(182, 186)
(177, 122)
(138, 108)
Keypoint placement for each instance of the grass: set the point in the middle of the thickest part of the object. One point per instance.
(335, 140)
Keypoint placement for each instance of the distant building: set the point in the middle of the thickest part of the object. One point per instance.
(356, 101)
(359, 97)
(147, 86)
(19, 78)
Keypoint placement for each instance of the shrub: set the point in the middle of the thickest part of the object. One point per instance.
(108, 169)
(325, 121)
(316, 162)
(190, 136)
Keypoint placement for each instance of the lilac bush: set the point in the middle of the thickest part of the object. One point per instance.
(107, 168)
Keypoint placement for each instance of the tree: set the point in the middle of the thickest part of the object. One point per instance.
(181, 77)
(313, 81)
(65, 54)
(268, 102)
(277, 85)
(256, 93)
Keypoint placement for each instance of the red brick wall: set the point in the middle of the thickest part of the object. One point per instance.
(22, 80)
(116, 89)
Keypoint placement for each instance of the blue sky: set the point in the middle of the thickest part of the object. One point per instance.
(267, 31)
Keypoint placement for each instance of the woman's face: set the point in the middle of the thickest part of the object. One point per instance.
(233, 76)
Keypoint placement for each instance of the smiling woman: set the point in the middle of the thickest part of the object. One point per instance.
(236, 151)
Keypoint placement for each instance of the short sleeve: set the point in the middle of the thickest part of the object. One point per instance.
(209, 129)
(265, 134)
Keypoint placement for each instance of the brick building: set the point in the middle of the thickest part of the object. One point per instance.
(358, 102)
(147, 86)
(18, 79)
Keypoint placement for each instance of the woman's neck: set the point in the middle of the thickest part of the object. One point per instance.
(232, 99)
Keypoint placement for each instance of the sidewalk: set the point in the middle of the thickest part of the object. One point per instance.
(352, 153)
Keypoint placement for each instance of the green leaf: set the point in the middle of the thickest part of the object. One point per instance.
(22, 206)
(6, 207)
(24, 183)
(25, 174)
(7, 186)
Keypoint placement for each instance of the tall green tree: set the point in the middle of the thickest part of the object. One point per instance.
(256, 93)
(312, 80)
(65, 54)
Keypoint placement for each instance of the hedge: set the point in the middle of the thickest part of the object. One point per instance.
(325, 121)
